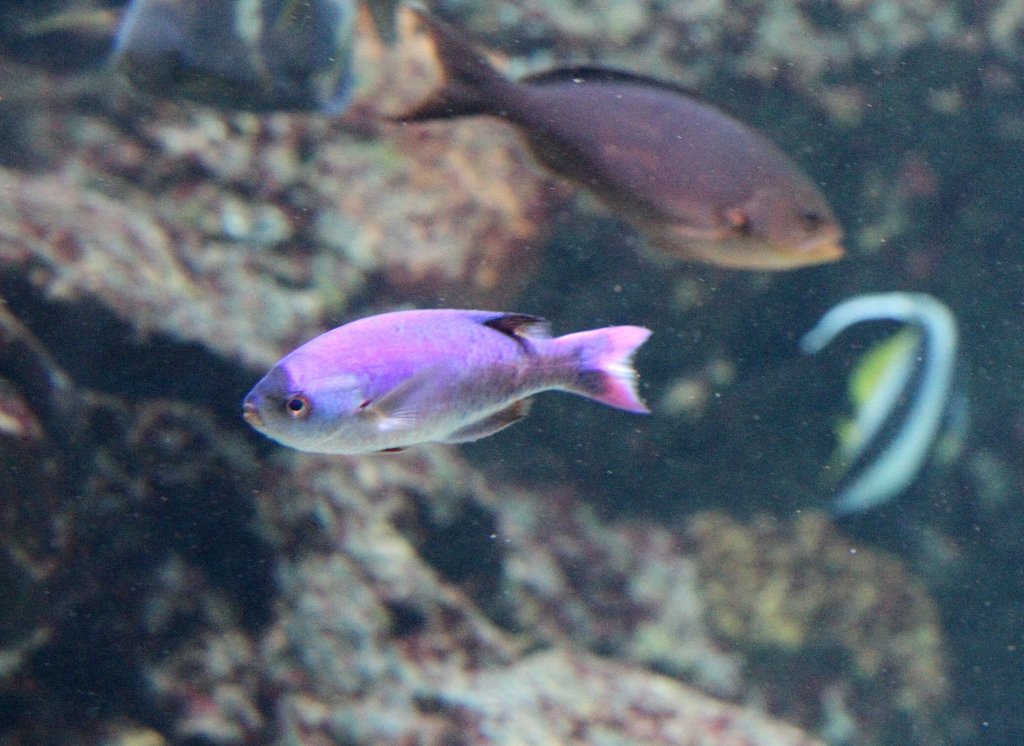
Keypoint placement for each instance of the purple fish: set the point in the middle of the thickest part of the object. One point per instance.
(399, 379)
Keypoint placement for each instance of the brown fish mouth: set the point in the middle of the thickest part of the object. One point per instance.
(251, 414)
(826, 247)
(821, 247)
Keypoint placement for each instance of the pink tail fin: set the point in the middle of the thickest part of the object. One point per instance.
(605, 359)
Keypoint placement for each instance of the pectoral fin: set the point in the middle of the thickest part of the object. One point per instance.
(407, 403)
(491, 424)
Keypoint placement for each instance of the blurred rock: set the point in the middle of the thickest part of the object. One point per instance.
(35, 419)
(167, 263)
(99, 493)
(800, 41)
(375, 642)
(801, 598)
(249, 234)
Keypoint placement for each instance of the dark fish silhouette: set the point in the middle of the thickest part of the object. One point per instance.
(702, 185)
(260, 55)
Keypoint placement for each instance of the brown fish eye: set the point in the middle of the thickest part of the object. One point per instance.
(298, 406)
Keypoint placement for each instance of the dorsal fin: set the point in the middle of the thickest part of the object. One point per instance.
(595, 74)
(520, 326)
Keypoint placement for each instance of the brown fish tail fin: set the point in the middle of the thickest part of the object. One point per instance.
(470, 85)
(605, 370)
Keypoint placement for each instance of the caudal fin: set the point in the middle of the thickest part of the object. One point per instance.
(605, 360)
(469, 84)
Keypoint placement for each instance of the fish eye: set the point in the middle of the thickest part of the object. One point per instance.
(298, 406)
(812, 219)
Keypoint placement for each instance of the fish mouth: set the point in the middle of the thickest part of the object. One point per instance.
(821, 249)
(251, 414)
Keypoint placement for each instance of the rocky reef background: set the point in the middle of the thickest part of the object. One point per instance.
(586, 576)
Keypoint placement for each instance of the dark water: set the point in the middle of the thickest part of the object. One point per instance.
(144, 525)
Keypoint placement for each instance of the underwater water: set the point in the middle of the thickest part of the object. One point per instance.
(176, 221)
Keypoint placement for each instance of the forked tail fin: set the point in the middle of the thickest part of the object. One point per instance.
(469, 85)
(605, 360)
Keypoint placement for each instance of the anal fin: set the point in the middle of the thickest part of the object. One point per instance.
(491, 424)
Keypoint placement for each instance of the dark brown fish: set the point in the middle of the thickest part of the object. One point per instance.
(702, 185)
